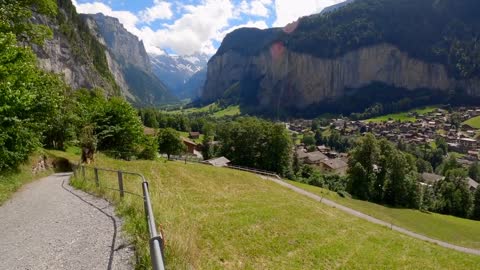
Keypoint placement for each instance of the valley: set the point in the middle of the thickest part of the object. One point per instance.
(339, 135)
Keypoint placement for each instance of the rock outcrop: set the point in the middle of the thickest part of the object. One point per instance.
(299, 80)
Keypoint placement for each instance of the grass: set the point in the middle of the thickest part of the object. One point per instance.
(11, 181)
(473, 122)
(403, 116)
(213, 109)
(459, 231)
(216, 218)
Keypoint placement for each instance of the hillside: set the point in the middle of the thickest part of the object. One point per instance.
(218, 218)
(346, 60)
(95, 51)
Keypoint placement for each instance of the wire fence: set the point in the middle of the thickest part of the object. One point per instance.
(156, 240)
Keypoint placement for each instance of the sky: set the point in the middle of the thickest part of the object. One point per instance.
(186, 27)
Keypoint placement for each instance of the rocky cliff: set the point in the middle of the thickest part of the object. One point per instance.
(129, 61)
(325, 59)
(74, 52)
(298, 80)
(96, 51)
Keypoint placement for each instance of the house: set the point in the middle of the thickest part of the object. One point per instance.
(472, 184)
(336, 166)
(431, 178)
(315, 158)
(218, 162)
(191, 146)
(301, 154)
(194, 135)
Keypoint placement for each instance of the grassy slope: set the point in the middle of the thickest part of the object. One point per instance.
(473, 122)
(463, 232)
(216, 218)
(187, 135)
(403, 116)
(12, 181)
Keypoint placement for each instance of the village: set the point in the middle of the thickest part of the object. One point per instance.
(423, 129)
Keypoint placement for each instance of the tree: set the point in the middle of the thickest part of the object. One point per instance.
(474, 171)
(476, 205)
(118, 129)
(169, 142)
(308, 140)
(442, 144)
(454, 197)
(363, 158)
(29, 101)
(423, 166)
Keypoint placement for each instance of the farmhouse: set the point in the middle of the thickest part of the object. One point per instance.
(218, 162)
(191, 146)
(194, 135)
(336, 166)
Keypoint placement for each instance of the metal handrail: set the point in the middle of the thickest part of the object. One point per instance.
(156, 241)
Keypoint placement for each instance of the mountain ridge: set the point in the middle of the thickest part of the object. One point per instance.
(283, 67)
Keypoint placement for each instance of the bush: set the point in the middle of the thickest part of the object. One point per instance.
(150, 149)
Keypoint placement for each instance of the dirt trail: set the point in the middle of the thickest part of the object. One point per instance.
(49, 225)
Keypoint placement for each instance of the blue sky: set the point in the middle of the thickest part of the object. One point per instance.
(185, 27)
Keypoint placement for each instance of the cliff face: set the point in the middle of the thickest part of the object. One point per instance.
(65, 54)
(326, 59)
(128, 61)
(96, 51)
(299, 80)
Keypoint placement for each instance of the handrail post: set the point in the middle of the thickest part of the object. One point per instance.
(120, 184)
(97, 181)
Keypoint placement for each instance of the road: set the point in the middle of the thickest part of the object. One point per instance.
(49, 225)
(372, 219)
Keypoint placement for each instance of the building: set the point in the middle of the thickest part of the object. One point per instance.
(194, 135)
(472, 184)
(334, 166)
(218, 162)
(431, 178)
(191, 146)
(315, 158)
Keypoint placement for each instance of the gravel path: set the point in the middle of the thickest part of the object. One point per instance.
(49, 225)
(372, 219)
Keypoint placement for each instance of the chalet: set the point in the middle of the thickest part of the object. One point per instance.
(472, 184)
(431, 178)
(467, 143)
(315, 158)
(194, 135)
(218, 162)
(191, 146)
(336, 166)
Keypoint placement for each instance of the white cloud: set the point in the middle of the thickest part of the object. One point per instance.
(255, 8)
(127, 18)
(258, 24)
(160, 11)
(288, 10)
(194, 30)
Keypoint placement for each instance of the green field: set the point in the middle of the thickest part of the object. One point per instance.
(473, 122)
(213, 109)
(215, 218)
(403, 116)
(459, 231)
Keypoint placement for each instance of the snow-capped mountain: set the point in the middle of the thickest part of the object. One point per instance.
(176, 71)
